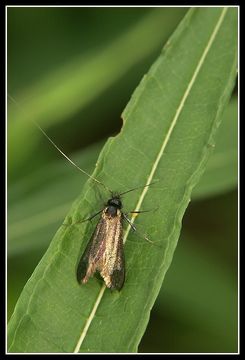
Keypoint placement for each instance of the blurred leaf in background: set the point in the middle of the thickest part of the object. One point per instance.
(44, 65)
(44, 45)
(196, 310)
(72, 88)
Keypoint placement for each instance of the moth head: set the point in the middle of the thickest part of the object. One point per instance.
(115, 201)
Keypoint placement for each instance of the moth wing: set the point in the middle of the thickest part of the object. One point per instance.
(90, 248)
(83, 263)
(118, 274)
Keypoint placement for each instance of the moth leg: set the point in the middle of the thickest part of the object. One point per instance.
(142, 211)
(130, 223)
(139, 212)
(134, 228)
(134, 212)
(88, 219)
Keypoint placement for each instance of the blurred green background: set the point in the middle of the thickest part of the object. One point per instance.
(73, 71)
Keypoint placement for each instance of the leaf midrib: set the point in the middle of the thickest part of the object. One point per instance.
(155, 165)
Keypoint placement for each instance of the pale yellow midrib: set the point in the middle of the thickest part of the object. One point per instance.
(154, 167)
(89, 320)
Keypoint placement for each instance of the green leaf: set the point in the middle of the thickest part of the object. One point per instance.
(221, 172)
(37, 204)
(169, 125)
(210, 303)
(62, 93)
(199, 297)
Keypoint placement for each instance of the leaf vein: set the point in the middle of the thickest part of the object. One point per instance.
(158, 158)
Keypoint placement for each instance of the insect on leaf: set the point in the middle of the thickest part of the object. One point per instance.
(169, 125)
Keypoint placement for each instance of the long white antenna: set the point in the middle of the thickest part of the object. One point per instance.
(44, 133)
(83, 171)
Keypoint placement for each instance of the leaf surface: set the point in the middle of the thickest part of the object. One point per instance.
(168, 134)
(222, 169)
(37, 204)
(199, 298)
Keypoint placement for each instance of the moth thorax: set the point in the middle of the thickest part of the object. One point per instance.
(115, 202)
(112, 211)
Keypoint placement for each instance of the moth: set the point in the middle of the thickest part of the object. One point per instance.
(104, 252)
